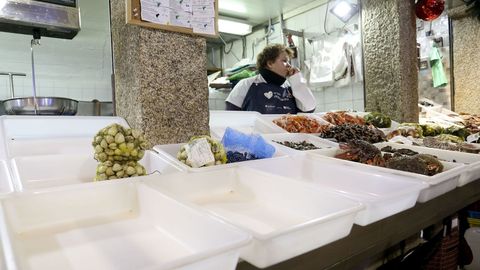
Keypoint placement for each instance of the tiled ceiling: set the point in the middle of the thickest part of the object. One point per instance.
(258, 11)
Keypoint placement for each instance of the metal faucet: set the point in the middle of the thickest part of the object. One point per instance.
(10, 78)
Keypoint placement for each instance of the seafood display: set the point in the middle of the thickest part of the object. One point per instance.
(348, 132)
(402, 159)
(419, 163)
(300, 124)
(407, 130)
(439, 143)
(213, 152)
(378, 120)
(361, 151)
(472, 122)
(302, 146)
(401, 151)
(342, 118)
(235, 156)
(117, 149)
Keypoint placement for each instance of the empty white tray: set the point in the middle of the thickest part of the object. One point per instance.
(382, 194)
(49, 146)
(6, 183)
(169, 152)
(285, 217)
(298, 137)
(439, 184)
(42, 171)
(113, 225)
(471, 171)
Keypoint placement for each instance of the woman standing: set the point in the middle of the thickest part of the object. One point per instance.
(270, 92)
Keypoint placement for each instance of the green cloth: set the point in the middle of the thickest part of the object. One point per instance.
(241, 75)
(438, 74)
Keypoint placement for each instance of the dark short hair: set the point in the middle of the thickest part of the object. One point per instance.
(270, 53)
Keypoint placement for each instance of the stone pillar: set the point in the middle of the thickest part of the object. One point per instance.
(466, 60)
(390, 57)
(160, 80)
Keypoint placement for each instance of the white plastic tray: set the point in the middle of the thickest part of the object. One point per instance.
(50, 146)
(240, 120)
(285, 217)
(37, 127)
(298, 137)
(6, 184)
(42, 171)
(471, 171)
(169, 152)
(113, 225)
(439, 184)
(382, 194)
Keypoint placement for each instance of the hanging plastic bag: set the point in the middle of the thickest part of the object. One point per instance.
(241, 147)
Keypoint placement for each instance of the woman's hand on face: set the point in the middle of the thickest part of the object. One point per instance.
(292, 71)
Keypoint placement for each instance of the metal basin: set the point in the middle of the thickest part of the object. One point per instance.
(46, 106)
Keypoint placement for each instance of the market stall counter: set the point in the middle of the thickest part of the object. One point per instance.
(366, 244)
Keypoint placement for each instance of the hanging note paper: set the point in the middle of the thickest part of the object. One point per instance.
(183, 5)
(180, 18)
(203, 16)
(206, 26)
(157, 11)
(187, 16)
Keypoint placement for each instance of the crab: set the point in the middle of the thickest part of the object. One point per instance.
(361, 151)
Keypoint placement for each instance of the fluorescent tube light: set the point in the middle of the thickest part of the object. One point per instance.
(233, 27)
(344, 10)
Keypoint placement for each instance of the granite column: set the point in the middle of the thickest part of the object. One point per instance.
(160, 80)
(390, 58)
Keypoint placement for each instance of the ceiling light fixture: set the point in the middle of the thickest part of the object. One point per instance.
(233, 27)
(344, 10)
(232, 6)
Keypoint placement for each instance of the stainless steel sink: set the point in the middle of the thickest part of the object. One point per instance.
(46, 106)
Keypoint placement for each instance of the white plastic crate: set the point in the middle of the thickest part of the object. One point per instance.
(113, 225)
(382, 194)
(240, 120)
(439, 184)
(285, 217)
(43, 171)
(298, 137)
(169, 152)
(470, 172)
(38, 127)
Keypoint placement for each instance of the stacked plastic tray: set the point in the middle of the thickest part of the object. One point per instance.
(262, 211)
(59, 219)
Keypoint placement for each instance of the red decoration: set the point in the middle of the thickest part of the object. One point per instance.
(429, 10)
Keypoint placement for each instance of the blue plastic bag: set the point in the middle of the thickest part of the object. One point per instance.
(252, 144)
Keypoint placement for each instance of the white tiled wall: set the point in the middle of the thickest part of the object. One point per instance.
(80, 68)
(350, 97)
